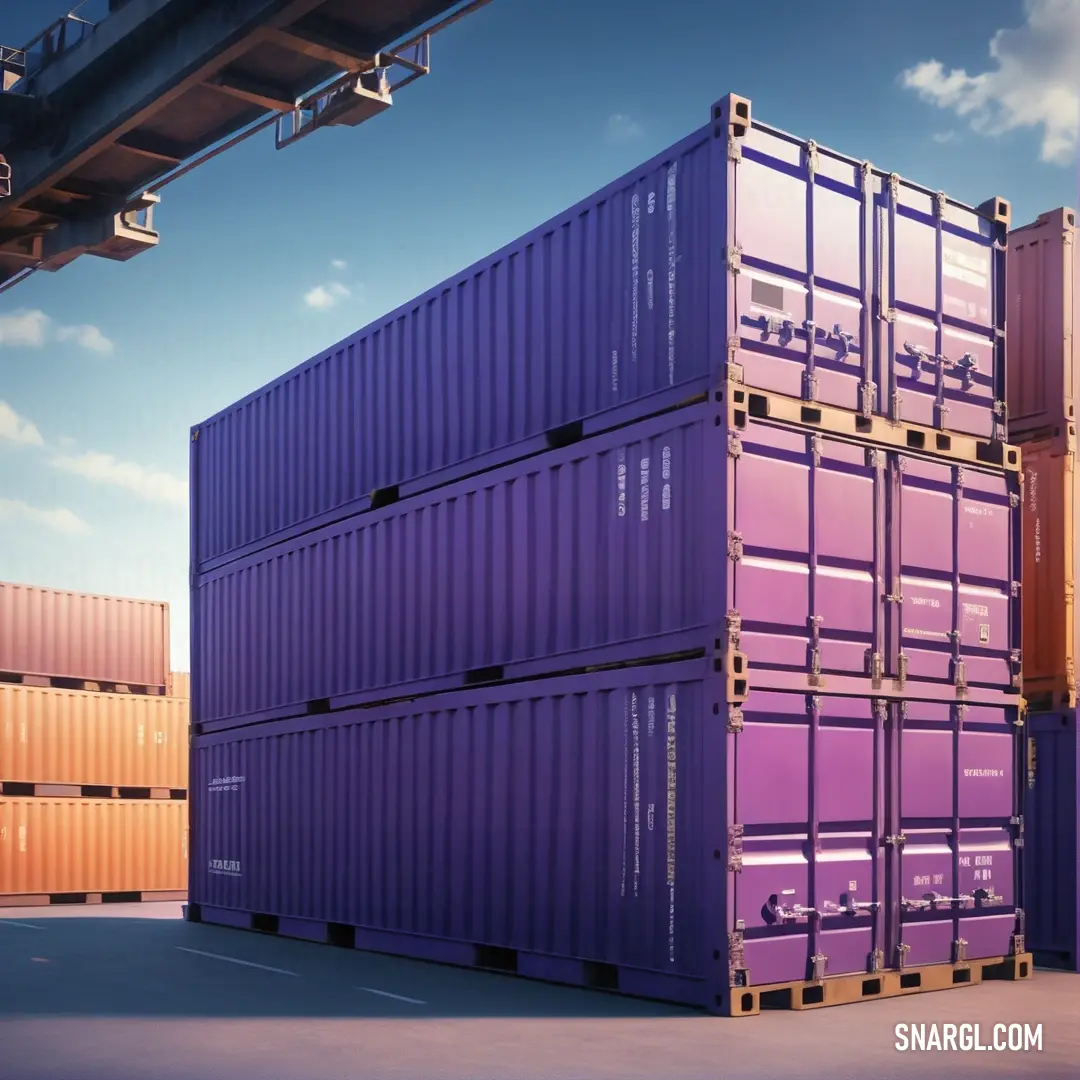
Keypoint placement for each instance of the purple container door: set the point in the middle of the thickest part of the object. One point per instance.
(806, 517)
(953, 886)
(806, 799)
(944, 279)
(802, 290)
(953, 571)
(1052, 840)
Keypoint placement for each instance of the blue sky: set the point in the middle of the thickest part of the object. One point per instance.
(269, 256)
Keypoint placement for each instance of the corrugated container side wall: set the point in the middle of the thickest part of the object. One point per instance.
(1049, 547)
(76, 737)
(632, 301)
(1043, 317)
(1052, 840)
(92, 846)
(619, 818)
(180, 684)
(598, 553)
(81, 636)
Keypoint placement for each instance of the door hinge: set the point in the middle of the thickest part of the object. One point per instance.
(734, 445)
(897, 595)
(1014, 589)
(811, 158)
(734, 720)
(738, 972)
(876, 961)
(881, 711)
(901, 955)
(901, 668)
(1018, 944)
(734, 259)
(809, 386)
(876, 665)
(897, 840)
(1014, 500)
(734, 546)
(733, 625)
(817, 967)
(815, 449)
(897, 406)
(867, 396)
(960, 951)
(735, 848)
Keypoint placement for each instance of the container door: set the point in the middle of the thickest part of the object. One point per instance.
(806, 521)
(953, 880)
(802, 275)
(953, 600)
(942, 309)
(808, 800)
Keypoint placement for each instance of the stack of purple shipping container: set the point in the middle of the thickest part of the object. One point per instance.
(639, 608)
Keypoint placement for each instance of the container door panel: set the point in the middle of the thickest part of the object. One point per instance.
(940, 275)
(802, 287)
(806, 520)
(807, 799)
(956, 804)
(953, 569)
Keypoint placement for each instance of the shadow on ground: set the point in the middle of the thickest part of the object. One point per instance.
(71, 962)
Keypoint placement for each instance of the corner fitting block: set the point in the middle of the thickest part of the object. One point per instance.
(997, 209)
(732, 116)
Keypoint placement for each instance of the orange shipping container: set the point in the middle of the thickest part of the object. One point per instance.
(52, 846)
(180, 684)
(66, 635)
(1050, 531)
(1043, 313)
(78, 737)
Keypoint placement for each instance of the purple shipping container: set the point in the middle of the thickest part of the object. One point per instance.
(614, 550)
(834, 282)
(579, 829)
(1052, 840)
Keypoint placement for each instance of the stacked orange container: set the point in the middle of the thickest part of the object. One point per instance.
(93, 750)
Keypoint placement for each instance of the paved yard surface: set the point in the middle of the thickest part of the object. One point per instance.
(131, 992)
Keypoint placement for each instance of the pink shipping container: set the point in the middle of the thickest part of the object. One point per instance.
(1043, 310)
(83, 638)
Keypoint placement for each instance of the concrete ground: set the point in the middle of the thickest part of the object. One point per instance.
(131, 992)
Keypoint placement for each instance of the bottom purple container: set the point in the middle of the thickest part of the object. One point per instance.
(624, 829)
(1052, 840)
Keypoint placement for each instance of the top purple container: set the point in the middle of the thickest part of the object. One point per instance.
(834, 282)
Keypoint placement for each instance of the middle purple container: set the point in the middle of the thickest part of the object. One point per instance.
(820, 563)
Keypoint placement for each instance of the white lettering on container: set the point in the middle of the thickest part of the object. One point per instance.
(225, 783)
(665, 472)
(984, 772)
(620, 481)
(1033, 508)
(635, 246)
(614, 371)
(672, 706)
(652, 202)
(650, 291)
(925, 601)
(652, 716)
(625, 790)
(673, 255)
(635, 726)
(225, 867)
(645, 489)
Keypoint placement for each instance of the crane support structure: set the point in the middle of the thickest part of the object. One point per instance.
(120, 97)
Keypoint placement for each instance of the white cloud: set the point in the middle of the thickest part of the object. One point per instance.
(59, 519)
(338, 264)
(623, 129)
(943, 137)
(1034, 82)
(89, 337)
(24, 327)
(35, 329)
(141, 480)
(323, 297)
(18, 429)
